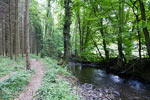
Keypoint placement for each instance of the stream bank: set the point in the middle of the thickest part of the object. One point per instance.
(135, 68)
(95, 81)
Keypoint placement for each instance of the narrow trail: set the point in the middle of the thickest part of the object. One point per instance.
(35, 82)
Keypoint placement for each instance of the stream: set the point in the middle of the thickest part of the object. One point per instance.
(127, 89)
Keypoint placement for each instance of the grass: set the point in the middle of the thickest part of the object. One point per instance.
(7, 66)
(54, 88)
(19, 78)
(11, 87)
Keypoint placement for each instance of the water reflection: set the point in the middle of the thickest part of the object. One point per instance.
(136, 85)
(128, 89)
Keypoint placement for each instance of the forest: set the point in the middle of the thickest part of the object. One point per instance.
(74, 50)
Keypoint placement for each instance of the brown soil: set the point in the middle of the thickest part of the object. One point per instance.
(35, 82)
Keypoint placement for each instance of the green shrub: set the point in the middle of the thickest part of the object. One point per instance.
(10, 87)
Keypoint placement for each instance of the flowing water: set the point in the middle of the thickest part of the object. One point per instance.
(128, 89)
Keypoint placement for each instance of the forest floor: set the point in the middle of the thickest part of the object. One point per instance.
(42, 82)
(35, 82)
(46, 81)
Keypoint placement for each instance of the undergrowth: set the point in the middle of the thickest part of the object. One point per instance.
(11, 87)
(17, 80)
(53, 88)
(8, 66)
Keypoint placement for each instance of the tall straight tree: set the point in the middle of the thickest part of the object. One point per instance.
(22, 30)
(120, 48)
(66, 30)
(27, 34)
(10, 34)
(16, 29)
(47, 17)
(3, 32)
(145, 30)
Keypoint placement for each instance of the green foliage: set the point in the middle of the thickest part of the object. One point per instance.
(33, 56)
(89, 15)
(53, 87)
(52, 46)
(10, 87)
(36, 25)
(8, 66)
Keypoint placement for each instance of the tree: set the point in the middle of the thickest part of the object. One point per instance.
(145, 30)
(27, 35)
(47, 17)
(136, 13)
(10, 34)
(16, 30)
(66, 31)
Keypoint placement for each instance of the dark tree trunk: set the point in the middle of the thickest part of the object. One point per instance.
(145, 30)
(138, 29)
(7, 35)
(87, 36)
(16, 29)
(139, 37)
(104, 40)
(66, 31)
(1, 36)
(120, 48)
(76, 40)
(10, 34)
(95, 44)
(3, 33)
(80, 32)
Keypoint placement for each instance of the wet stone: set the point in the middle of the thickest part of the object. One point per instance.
(90, 93)
(116, 93)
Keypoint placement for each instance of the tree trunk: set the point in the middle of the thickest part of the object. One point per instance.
(80, 32)
(27, 35)
(3, 33)
(47, 17)
(22, 30)
(10, 34)
(95, 44)
(7, 34)
(145, 30)
(139, 37)
(16, 30)
(66, 31)
(120, 49)
(104, 40)
(76, 40)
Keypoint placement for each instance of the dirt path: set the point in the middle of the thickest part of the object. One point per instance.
(35, 83)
